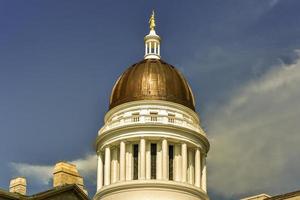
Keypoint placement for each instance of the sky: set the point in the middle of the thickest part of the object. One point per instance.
(59, 60)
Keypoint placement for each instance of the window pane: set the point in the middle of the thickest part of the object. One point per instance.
(171, 158)
(153, 161)
(135, 117)
(171, 118)
(153, 116)
(135, 161)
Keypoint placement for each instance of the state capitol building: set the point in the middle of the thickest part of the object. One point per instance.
(151, 146)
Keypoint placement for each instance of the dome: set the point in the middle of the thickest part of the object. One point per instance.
(152, 79)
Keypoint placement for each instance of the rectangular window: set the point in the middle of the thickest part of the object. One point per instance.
(152, 47)
(135, 117)
(153, 116)
(171, 158)
(135, 161)
(153, 161)
(171, 118)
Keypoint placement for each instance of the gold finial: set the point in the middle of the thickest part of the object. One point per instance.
(152, 21)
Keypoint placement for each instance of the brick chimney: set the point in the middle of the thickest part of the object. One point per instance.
(66, 173)
(18, 185)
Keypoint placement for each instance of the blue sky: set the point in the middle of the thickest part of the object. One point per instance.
(59, 60)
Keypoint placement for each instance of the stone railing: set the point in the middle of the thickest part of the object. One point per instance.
(151, 119)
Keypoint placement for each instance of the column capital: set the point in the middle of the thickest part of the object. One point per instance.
(124, 140)
(112, 147)
(100, 152)
(203, 154)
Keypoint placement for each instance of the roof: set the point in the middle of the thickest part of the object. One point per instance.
(72, 191)
(9, 195)
(259, 196)
(152, 79)
(285, 196)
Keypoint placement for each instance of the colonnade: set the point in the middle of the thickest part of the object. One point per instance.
(153, 45)
(166, 161)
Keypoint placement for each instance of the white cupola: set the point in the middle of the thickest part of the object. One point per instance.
(152, 41)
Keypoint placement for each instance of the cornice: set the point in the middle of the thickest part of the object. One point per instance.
(157, 185)
(166, 131)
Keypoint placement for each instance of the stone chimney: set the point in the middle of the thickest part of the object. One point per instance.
(67, 173)
(18, 185)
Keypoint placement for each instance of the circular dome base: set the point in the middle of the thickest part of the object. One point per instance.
(150, 190)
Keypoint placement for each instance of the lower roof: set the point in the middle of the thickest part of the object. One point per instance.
(49, 194)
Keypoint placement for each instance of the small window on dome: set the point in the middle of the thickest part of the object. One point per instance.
(152, 47)
(171, 118)
(135, 117)
(153, 116)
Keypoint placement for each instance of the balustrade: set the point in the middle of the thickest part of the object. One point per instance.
(151, 118)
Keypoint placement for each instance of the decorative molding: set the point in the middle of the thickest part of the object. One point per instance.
(158, 185)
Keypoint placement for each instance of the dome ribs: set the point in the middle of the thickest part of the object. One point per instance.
(152, 79)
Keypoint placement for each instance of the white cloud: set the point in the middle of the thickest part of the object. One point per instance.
(43, 173)
(87, 167)
(256, 134)
(36, 172)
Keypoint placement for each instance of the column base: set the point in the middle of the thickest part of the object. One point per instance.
(150, 190)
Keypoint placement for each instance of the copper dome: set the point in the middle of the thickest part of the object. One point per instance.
(152, 79)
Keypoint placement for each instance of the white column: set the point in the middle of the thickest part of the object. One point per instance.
(107, 166)
(159, 161)
(191, 168)
(128, 162)
(150, 50)
(142, 163)
(148, 160)
(177, 163)
(197, 167)
(122, 161)
(165, 160)
(100, 171)
(158, 49)
(114, 166)
(184, 162)
(203, 177)
(155, 51)
(146, 47)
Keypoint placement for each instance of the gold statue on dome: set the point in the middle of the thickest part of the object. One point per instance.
(152, 21)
